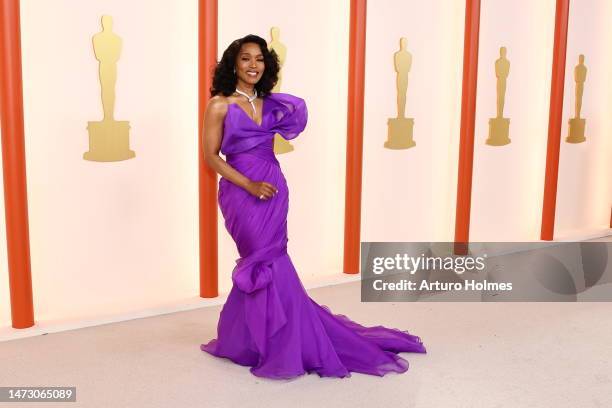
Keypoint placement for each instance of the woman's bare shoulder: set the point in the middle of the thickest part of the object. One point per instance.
(217, 105)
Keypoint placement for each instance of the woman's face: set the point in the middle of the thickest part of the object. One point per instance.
(249, 63)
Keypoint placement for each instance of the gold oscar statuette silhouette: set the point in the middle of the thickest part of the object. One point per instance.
(108, 138)
(499, 127)
(577, 124)
(399, 129)
(280, 145)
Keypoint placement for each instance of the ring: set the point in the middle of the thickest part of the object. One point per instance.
(261, 197)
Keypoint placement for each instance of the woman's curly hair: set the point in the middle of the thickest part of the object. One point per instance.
(224, 79)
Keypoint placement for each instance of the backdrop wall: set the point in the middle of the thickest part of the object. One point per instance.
(110, 239)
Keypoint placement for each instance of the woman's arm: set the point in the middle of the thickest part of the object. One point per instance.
(211, 142)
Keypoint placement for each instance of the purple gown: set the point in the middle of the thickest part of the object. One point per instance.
(268, 321)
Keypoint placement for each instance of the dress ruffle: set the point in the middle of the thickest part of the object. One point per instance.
(282, 113)
(264, 313)
(289, 115)
(301, 336)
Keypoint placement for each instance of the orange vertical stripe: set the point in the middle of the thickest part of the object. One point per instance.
(354, 140)
(13, 156)
(207, 59)
(468, 115)
(554, 121)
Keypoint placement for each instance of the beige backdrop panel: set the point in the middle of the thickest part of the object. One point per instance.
(409, 195)
(584, 192)
(114, 237)
(508, 180)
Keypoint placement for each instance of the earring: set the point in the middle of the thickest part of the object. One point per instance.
(234, 71)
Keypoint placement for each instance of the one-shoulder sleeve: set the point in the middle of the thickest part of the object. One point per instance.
(288, 114)
(283, 113)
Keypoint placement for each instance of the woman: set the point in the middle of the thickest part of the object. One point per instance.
(268, 321)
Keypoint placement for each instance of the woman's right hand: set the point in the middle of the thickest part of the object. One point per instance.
(261, 188)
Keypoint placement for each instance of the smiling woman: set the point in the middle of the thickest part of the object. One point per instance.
(248, 64)
(268, 321)
(247, 70)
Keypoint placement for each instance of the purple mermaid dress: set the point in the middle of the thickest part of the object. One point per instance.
(268, 321)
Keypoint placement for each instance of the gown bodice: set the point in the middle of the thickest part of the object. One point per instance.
(282, 113)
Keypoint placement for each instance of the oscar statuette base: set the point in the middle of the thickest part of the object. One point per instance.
(399, 134)
(499, 129)
(576, 131)
(109, 140)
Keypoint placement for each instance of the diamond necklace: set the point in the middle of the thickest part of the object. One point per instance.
(250, 98)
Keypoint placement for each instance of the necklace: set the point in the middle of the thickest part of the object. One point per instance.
(250, 98)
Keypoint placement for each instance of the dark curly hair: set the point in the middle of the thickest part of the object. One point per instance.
(224, 79)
